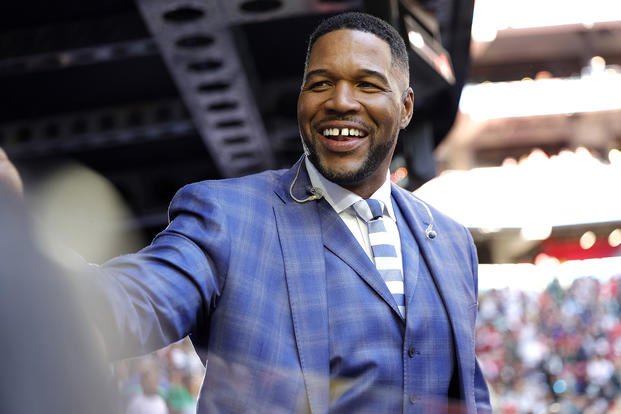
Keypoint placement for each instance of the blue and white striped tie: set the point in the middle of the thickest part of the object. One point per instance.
(383, 248)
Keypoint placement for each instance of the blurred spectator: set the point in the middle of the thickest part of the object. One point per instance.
(178, 397)
(149, 401)
(180, 376)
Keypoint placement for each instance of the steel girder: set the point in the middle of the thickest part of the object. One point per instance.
(197, 44)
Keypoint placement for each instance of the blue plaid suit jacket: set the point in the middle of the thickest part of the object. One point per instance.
(240, 268)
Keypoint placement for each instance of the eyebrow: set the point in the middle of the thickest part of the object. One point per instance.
(365, 72)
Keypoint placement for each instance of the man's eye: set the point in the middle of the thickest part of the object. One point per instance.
(319, 86)
(369, 86)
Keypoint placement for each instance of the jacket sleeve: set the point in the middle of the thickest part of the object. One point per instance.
(166, 290)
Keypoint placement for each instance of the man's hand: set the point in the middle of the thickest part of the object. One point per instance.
(8, 174)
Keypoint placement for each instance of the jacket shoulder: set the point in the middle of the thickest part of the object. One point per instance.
(251, 186)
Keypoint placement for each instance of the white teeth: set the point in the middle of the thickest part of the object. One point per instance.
(346, 132)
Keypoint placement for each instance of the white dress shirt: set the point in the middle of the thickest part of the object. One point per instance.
(341, 201)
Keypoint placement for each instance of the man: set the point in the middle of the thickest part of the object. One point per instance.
(273, 274)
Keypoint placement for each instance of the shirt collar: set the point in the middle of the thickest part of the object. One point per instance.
(340, 198)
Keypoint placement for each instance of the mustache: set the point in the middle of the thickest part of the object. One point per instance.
(343, 118)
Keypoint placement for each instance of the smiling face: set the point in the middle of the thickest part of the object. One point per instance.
(353, 103)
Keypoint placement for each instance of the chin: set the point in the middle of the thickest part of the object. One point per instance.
(346, 177)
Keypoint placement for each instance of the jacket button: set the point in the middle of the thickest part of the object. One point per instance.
(413, 398)
(411, 352)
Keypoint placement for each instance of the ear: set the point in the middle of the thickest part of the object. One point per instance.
(407, 107)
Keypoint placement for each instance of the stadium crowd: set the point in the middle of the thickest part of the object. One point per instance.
(556, 351)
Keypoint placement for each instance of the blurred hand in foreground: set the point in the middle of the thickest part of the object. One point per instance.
(8, 174)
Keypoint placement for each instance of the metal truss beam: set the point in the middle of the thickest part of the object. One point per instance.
(197, 45)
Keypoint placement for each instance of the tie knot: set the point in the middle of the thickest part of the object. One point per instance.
(370, 209)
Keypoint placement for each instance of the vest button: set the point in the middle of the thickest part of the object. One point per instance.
(411, 352)
(413, 398)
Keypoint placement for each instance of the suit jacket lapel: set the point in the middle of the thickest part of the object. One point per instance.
(436, 255)
(411, 259)
(303, 254)
(338, 239)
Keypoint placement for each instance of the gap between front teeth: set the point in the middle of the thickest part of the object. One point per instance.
(346, 132)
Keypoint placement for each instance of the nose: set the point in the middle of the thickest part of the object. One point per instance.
(342, 99)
